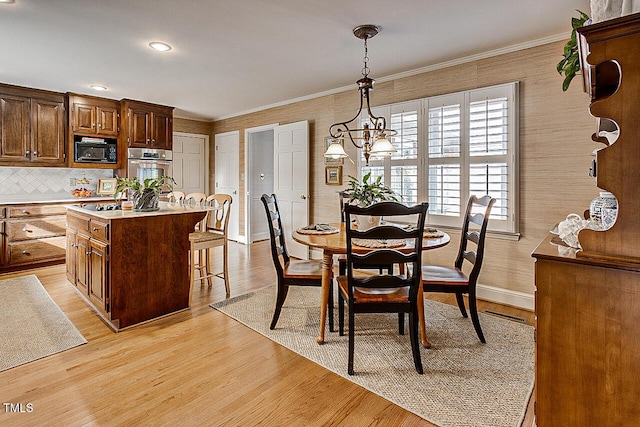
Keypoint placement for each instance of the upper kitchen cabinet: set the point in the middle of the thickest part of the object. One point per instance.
(92, 116)
(94, 119)
(32, 130)
(147, 125)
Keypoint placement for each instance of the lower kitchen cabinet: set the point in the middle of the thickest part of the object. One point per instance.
(32, 235)
(88, 259)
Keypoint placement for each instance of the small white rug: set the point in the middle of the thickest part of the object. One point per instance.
(32, 326)
(465, 383)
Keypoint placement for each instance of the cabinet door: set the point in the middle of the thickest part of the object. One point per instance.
(82, 263)
(47, 131)
(139, 128)
(162, 136)
(84, 118)
(98, 272)
(107, 118)
(15, 141)
(71, 255)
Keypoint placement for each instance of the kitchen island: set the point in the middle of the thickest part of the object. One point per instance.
(131, 267)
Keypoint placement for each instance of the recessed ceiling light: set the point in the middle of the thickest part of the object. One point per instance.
(7, 1)
(162, 47)
(98, 87)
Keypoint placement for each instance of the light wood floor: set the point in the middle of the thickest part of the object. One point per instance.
(194, 368)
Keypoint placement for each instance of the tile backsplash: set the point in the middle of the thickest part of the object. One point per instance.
(41, 181)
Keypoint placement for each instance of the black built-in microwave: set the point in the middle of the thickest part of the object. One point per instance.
(95, 152)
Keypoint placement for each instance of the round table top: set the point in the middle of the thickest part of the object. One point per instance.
(337, 242)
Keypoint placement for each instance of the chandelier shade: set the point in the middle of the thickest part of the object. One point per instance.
(371, 134)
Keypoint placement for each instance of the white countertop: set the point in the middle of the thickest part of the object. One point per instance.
(165, 209)
(18, 199)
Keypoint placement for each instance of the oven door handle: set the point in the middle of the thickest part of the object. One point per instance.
(149, 162)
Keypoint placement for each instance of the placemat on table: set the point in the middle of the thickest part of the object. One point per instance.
(379, 243)
(318, 229)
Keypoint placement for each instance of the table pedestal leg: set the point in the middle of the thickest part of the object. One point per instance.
(423, 331)
(327, 276)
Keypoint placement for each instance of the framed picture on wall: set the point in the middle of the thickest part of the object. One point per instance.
(107, 187)
(333, 175)
(328, 160)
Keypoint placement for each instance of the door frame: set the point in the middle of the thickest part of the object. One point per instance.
(248, 161)
(206, 154)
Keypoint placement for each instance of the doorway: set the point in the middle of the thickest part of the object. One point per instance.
(259, 179)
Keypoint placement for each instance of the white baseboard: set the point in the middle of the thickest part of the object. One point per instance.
(505, 296)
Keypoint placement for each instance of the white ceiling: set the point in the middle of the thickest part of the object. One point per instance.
(233, 56)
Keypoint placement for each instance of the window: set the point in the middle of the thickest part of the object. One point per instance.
(452, 146)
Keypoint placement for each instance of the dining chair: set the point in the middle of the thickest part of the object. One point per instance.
(382, 293)
(210, 233)
(453, 279)
(290, 272)
(342, 258)
(176, 197)
(194, 199)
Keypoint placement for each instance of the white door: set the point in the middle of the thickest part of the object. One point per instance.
(291, 180)
(191, 162)
(227, 175)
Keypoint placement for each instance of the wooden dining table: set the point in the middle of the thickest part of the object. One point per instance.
(336, 243)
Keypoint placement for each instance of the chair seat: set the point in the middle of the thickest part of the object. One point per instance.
(374, 295)
(436, 275)
(303, 269)
(204, 236)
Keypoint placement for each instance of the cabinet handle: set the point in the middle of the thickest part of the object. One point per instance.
(95, 228)
(26, 153)
(26, 230)
(25, 252)
(87, 253)
(99, 125)
(24, 211)
(35, 154)
(147, 141)
(153, 141)
(93, 125)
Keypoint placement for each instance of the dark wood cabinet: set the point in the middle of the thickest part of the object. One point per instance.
(88, 260)
(587, 301)
(94, 117)
(147, 125)
(32, 127)
(91, 116)
(127, 270)
(32, 235)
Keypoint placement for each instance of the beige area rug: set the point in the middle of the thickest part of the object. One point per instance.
(465, 383)
(32, 326)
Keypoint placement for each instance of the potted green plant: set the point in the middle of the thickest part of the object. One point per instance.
(570, 63)
(366, 193)
(144, 194)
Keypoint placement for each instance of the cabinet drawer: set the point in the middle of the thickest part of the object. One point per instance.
(36, 228)
(30, 251)
(26, 211)
(3, 211)
(99, 230)
(77, 223)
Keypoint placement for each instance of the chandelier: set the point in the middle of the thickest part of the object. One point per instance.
(370, 135)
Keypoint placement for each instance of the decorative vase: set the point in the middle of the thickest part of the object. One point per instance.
(145, 201)
(365, 222)
(604, 210)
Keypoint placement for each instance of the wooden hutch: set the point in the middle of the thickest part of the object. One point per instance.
(588, 301)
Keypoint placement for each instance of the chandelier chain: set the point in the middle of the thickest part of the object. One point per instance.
(365, 69)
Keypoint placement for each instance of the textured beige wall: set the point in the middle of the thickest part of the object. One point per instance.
(191, 126)
(555, 148)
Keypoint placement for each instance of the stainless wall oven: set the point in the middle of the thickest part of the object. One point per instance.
(149, 163)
